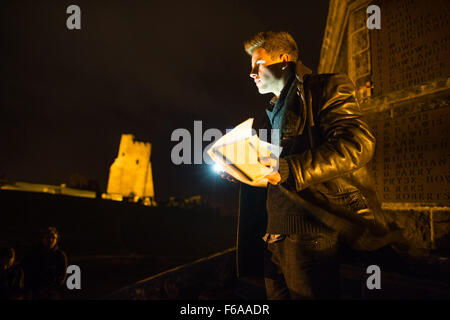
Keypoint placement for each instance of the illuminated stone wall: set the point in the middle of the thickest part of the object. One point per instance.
(131, 173)
(402, 78)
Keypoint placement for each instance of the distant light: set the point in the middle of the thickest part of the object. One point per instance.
(217, 168)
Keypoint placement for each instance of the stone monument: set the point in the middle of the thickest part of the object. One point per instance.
(402, 77)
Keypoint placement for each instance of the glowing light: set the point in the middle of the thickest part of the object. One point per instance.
(217, 168)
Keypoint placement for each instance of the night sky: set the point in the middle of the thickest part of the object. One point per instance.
(140, 67)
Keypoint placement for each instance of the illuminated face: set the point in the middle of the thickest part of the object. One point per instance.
(266, 72)
(11, 260)
(50, 240)
(7, 262)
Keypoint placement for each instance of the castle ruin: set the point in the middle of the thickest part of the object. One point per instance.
(131, 173)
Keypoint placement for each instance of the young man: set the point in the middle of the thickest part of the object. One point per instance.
(321, 185)
(45, 266)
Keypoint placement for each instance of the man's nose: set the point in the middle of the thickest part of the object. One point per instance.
(254, 72)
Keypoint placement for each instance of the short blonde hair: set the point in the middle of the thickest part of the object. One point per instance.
(274, 42)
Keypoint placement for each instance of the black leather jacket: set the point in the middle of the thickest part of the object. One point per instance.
(327, 144)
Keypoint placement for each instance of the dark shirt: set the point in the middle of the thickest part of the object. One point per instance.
(284, 215)
(44, 268)
(11, 282)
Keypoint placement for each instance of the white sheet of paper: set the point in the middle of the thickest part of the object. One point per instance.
(276, 150)
(240, 132)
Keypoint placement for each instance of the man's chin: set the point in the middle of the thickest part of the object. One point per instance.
(262, 90)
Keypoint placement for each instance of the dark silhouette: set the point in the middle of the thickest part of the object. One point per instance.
(11, 276)
(45, 267)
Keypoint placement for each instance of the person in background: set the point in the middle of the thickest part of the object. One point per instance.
(45, 266)
(11, 276)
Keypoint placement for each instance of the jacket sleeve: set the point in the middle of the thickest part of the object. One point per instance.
(347, 145)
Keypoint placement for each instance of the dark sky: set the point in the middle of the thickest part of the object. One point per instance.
(140, 67)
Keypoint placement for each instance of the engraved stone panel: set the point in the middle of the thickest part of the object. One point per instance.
(359, 46)
(412, 158)
(412, 46)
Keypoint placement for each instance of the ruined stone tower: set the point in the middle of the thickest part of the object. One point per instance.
(131, 173)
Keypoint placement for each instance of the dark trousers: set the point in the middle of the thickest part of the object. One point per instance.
(302, 267)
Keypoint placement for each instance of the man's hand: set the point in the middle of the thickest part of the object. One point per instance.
(225, 175)
(275, 177)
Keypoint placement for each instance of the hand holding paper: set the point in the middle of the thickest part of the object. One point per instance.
(272, 163)
(240, 153)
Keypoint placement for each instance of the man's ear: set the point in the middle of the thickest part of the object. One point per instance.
(284, 60)
(284, 57)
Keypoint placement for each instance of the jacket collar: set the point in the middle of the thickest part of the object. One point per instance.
(301, 70)
(280, 101)
(294, 117)
(301, 73)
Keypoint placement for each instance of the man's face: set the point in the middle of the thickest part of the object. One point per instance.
(7, 262)
(266, 72)
(50, 240)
